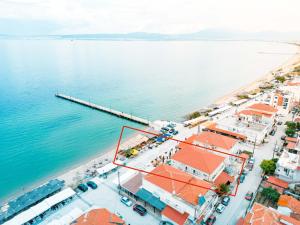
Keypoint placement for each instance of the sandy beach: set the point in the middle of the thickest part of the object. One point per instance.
(84, 170)
(285, 68)
(74, 176)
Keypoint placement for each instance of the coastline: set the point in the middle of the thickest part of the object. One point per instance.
(289, 64)
(74, 173)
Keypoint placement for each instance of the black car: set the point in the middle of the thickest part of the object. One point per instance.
(211, 220)
(165, 223)
(82, 187)
(140, 209)
(92, 185)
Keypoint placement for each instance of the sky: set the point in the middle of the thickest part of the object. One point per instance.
(29, 17)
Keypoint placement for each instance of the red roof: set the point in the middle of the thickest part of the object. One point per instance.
(261, 215)
(291, 145)
(198, 158)
(174, 215)
(250, 112)
(213, 139)
(99, 217)
(278, 182)
(163, 176)
(263, 107)
(244, 156)
(291, 139)
(290, 202)
(223, 178)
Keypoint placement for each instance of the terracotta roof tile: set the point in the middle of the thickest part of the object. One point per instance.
(223, 178)
(174, 215)
(213, 127)
(290, 202)
(99, 217)
(198, 158)
(278, 182)
(263, 107)
(163, 176)
(250, 112)
(213, 139)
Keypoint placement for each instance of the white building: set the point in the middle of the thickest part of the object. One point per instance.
(288, 167)
(198, 162)
(186, 196)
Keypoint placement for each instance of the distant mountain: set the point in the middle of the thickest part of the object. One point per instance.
(209, 34)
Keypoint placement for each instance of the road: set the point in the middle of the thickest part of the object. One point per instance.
(238, 204)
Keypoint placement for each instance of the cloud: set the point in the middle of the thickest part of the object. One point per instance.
(163, 16)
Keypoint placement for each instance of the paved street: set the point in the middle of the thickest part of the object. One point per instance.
(105, 197)
(238, 204)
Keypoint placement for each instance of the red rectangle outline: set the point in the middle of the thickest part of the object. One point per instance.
(158, 134)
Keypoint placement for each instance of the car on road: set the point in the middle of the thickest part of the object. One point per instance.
(140, 209)
(242, 178)
(272, 132)
(225, 201)
(283, 137)
(279, 123)
(220, 208)
(82, 187)
(92, 185)
(251, 160)
(126, 201)
(211, 220)
(165, 223)
(249, 195)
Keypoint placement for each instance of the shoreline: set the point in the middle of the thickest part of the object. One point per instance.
(72, 174)
(290, 63)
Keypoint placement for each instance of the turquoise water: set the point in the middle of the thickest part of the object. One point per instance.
(41, 135)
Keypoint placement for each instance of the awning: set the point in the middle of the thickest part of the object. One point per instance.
(150, 198)
(40, 208)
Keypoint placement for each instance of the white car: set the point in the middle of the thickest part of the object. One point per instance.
(126, 201)
(220, 208)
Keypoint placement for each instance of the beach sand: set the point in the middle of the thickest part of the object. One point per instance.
(74, 176)
(286, 67)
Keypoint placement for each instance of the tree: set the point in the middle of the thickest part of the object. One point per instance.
(271, 194)
(268, 166)
(223, 189)
(290, 132)
(280, 78)
(291, 125)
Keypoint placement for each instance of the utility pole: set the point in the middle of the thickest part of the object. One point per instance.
(254, 145)
(119, 184)
(274, 149)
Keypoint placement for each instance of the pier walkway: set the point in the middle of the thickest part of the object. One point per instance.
(104, 109)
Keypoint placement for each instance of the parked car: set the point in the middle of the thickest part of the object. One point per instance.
(165, 223)
(279, 123)
(283, 137)
(251, 160)
(242, 178)
(82, 187)
(220, 208)
(175, 132)
(140, 209)
(126, 201)
(249, 195)
(92, 185)
(272, 132)
(226, 200)
(211, 220)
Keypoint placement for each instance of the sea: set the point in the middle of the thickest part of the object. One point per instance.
(41, 135)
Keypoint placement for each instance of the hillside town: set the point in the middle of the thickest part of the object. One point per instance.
(232, 163)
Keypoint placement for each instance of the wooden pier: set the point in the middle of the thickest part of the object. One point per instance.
(104, 109)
